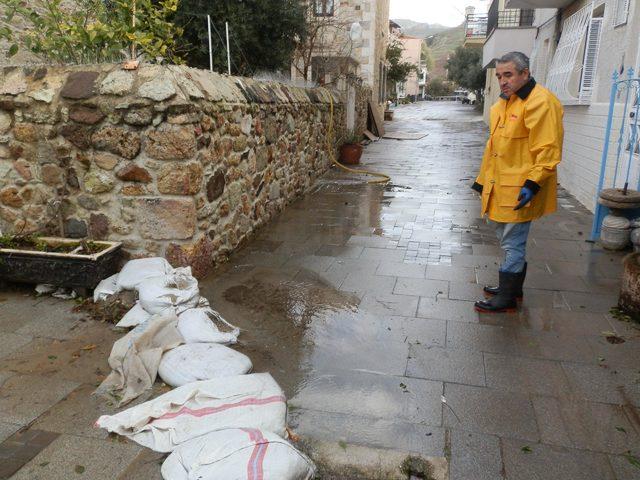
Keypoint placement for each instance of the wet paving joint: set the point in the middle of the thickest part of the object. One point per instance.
(358, 299)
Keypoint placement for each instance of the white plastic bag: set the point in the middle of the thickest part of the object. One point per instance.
(201, 361)
(237, 454)
(135, 357)
(134, 317)
(196, 326)
(136, 271)
(178, 290)
(161, 424)
(106, 288)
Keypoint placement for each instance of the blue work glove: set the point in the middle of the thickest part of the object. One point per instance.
(525, 197)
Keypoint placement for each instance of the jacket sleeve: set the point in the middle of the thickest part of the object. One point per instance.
(479, 183)
(543, 119)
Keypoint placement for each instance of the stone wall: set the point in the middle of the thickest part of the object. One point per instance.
(169, 160)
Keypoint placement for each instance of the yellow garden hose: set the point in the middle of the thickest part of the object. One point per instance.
(383, 178)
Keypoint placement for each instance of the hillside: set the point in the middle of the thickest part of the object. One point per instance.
(443, 44)
(418, 29)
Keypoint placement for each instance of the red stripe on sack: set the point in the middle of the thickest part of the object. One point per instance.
(255, 466)
(203, 412)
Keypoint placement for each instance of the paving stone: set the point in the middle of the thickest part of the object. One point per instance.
(525, 375)
(446, 309)
(20, 448)
(466, 291)
(553, 463)
(623, 468)
(481, 338)
(404, 270)
(10, 342)
(377, 396)
(475, 456)
(551, 346)
(621, 355)
(599, 383)
(72, 457)
(445, 364)
(146, 466)
(484, 410)
(25, 397)
(7, 429)
(443, 272)
(363, 283)
(421, 287)
(353, 429)
(390, 304)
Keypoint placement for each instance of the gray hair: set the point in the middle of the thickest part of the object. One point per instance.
(519, 59)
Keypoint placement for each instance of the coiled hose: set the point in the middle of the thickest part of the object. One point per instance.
(330, 141)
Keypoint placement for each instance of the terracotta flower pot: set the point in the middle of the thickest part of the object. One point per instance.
(350, 153)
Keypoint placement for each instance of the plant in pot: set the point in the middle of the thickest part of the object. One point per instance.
(351, 149)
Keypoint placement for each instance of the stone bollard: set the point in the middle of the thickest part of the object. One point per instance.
(629, 300)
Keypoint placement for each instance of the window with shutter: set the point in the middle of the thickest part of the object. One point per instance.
(323, 8)
(622, 12)
(566, 57)
(588, 80)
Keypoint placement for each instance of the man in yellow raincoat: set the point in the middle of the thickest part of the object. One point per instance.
(518, 179)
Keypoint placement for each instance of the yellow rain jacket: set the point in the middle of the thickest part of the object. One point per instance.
(524, 148)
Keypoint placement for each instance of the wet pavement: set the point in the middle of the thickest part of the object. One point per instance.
(358, 299)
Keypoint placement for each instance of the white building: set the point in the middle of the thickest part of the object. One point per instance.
(576, 48)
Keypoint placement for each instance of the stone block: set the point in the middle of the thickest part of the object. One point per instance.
(198, 256)
(88, 202)
(14, 83)
(171, 143)
(159, 89)
(118, 82)
(79, 85)
(180, 179)
(139, 116)
(98, 226)
(23, 168)
(25, 132)
(87, 115)
(78, 135)
(133, 173)
(75, 228)
(5, 122)
(98, 182)
(166, 219)
(215, 186)
(117, 140)
(106, 161)
(10, 197)
(51, 174)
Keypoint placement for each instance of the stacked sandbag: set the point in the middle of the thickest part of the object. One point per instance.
(238, 454)
(243, 401)
(220, 422)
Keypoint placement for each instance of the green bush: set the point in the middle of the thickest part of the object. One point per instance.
(93, 31)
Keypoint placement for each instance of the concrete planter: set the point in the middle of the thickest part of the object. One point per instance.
(60, 269)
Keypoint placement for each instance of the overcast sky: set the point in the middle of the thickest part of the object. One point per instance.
(445, 12)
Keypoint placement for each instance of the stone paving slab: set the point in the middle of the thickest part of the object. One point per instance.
(80, 457)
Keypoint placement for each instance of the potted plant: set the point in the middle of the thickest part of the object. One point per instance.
(63, 262)
(351, 149)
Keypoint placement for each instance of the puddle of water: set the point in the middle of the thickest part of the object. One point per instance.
(281, 318)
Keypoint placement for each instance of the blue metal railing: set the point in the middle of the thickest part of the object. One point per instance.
(627, 144)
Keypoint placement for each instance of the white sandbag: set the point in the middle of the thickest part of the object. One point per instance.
(178, 290)
(161, 424)
(135, 316)
(138, 270)
(135, 357)
(201, 361)
(237, 454)
(196, 325)
(106, 288)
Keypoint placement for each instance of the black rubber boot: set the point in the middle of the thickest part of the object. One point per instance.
(490, 291)
(505, 301)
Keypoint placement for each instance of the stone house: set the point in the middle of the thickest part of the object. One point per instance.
(347, 44)
(577, 47)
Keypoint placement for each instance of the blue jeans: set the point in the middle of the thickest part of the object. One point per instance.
(513, 240)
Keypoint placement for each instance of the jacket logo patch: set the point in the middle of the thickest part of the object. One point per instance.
(513, 117)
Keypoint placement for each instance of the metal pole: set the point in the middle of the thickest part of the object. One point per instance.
(226, 24)
(599, 210)
(210, 49)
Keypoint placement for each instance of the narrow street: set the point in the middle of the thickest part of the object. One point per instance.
(358, 299)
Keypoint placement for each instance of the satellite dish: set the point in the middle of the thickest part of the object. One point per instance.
(355, 32)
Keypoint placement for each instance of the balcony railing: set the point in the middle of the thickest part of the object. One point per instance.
(475, 25)
(513, 18)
